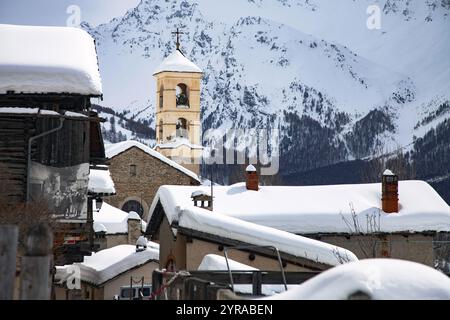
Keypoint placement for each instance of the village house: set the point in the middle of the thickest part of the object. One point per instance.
(105, 273)
(138, 171)
(113, 226)
(187, 233)
(395, 219)
(49, 135)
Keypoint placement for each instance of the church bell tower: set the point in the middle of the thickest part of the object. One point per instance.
(178, 126)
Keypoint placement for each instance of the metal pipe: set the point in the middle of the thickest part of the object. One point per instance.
(225, 250)
(30, 141)
(229, 269)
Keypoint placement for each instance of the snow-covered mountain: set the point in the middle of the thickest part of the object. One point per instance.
(311, 68)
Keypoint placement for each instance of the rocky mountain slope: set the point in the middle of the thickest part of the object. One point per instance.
(336, 90)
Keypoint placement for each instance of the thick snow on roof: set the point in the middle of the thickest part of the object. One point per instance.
(200, 193)
(114, 219)
(112, 150)
(318, 209)
(109, 263)
(231, 228)
(48, 60)
(388, 172)
(215, 262)
(381, 279)
(100, 182)
(19, 110)
(250, 168)
(177, 62)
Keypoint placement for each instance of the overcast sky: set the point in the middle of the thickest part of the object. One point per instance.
(54, 12)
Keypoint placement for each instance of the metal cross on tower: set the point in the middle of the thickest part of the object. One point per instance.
(178, 37)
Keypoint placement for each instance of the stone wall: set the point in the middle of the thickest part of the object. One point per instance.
(197, 249)
(413, 247)
(151, 173)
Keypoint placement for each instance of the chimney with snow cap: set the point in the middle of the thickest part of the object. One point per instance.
(141, 244)
(389, 192)
(134, 227)
(252, 178)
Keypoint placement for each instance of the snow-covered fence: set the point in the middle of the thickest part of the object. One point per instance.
(35, 274)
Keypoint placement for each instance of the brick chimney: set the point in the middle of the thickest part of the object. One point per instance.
(252, 178)
(389, 192)
(134, 227)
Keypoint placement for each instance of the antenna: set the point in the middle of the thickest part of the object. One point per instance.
(211, 178)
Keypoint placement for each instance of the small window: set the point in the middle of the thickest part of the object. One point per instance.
(182, 95)
(161, 97)
(133, 170)
(133, 205)
(181, 128)
(127, 293)
(160, 130)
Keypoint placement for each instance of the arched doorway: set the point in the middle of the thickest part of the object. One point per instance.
(133, 205)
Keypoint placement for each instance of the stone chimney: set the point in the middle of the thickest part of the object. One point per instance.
(252, 178)
(389, 192)
(134, 227)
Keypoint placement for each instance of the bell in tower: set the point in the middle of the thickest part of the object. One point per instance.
(178, 109)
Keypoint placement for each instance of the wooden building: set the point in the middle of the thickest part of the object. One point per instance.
(48, 134)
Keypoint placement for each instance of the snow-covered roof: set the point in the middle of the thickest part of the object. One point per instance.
(197, 193)
(212, 262)
(41, 112)
(21, 110)
(224, 226)
(318, 209)
(177, 62)
(250, 168)
(388, 172)
(48, 60)
(112, 150)
(100, 182)
(114, 219)
(380, 279)
(109, 263)
(178, 142)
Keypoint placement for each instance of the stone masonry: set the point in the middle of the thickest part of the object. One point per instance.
(151, 173)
